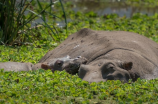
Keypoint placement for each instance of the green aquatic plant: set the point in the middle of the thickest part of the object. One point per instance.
(60, 87)
(44, 87)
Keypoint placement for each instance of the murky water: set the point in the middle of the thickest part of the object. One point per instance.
(104, 7)
(120, 7)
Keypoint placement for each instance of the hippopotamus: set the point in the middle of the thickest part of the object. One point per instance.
(104, 55)
(110, 55)
(65, 63)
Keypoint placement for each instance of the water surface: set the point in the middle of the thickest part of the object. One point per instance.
(120, 7)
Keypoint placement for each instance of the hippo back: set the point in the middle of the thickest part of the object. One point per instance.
(93, 44)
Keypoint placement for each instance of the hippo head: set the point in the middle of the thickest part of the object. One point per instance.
(66, 63)
(102, 70)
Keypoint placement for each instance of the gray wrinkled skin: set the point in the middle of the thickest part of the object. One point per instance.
(16, 66)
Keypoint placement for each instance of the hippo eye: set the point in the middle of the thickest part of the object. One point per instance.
(59, 63)
(79, 57)
(110, 66)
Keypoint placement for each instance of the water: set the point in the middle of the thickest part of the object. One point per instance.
(119, 7)
(104, 7)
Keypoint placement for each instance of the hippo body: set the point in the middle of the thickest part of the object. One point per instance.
(70, 65)
(105, 55)
(16, 66)
(111, 55)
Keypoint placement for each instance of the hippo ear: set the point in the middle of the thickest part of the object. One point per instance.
(127, 65)
(45, 66)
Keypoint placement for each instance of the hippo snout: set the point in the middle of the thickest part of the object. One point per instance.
(72, 68)
(66, 63)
